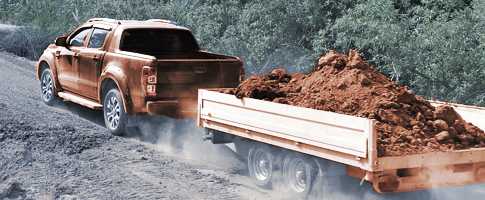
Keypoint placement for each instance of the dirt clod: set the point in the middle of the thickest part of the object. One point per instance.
(440, 125)
(442, 136)
(406, 123)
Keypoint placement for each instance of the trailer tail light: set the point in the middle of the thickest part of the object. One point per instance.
(480, 173)
(149, 79)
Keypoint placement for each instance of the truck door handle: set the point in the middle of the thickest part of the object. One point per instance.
(58, 54)
(95, 58)
(75, 55)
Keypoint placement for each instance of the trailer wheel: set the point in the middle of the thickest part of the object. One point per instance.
(299, 173)
(261, 165)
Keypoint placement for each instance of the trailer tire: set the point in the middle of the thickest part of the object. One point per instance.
(261, 165)
(299, 173)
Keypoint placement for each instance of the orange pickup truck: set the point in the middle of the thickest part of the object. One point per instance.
(128, 68)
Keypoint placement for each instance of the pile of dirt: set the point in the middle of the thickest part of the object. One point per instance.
(406, 123)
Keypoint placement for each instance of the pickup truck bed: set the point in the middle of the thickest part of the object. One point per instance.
(344, 139)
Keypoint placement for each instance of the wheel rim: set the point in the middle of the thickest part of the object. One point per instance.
(46, 87)
(112, 111)
(261, 164)
(297, 175)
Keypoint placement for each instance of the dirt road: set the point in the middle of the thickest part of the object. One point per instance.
(53, 153)
(64, 152)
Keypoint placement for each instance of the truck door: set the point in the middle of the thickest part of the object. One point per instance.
(90, 63)
(67, 60)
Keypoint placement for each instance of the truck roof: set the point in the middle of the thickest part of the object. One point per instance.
(119, 26)
(151, 23)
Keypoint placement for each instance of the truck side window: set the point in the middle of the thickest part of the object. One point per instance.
(77, 40)
(97, 38)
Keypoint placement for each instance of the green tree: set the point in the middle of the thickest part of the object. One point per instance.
(434, 46)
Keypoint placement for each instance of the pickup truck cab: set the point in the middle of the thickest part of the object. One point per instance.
(128, 68)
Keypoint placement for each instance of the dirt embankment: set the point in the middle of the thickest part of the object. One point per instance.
(407, 124)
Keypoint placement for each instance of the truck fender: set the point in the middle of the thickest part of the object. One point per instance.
(117, 75)
(49, 58)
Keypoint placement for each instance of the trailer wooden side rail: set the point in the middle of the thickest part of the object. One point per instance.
(342, 138)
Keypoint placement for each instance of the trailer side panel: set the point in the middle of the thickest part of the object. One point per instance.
(333, 131)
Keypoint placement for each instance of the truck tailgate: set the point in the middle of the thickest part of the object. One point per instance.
(180, 78)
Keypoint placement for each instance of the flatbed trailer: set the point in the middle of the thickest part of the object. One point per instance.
(317, 137)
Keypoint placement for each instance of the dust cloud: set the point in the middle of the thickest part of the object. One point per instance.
(182, 138)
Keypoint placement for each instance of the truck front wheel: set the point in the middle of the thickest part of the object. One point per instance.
(115, 116)
(47, 87)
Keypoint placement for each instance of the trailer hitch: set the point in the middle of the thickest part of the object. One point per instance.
(217, 137)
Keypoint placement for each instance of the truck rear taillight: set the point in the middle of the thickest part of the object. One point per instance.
(152, 79)
(148, 71)
(151, 90)
(149, 79)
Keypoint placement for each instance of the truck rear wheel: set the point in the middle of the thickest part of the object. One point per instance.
(261, 165)
(115, 117)
(298, 173)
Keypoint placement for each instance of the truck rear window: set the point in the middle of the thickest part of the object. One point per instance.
(158, 41)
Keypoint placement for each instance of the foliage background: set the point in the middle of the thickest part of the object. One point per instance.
(436, 47)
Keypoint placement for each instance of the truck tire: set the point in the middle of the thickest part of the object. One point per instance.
(299, 174)
(47, 87)
(261, 165)
(115, 117)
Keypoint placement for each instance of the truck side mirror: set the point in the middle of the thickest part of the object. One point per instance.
(61, 41)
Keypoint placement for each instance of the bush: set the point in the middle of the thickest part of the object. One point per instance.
(434, 49)
(26, 42)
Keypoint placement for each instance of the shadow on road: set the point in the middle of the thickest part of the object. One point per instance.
(176, 133)
(94, 116)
